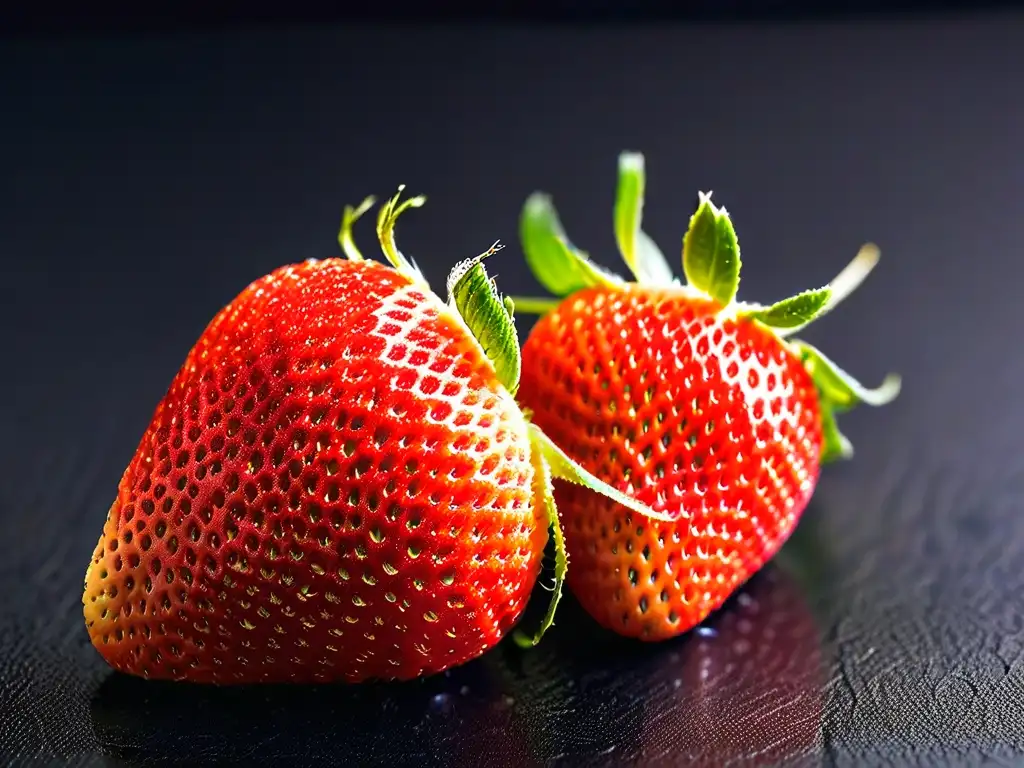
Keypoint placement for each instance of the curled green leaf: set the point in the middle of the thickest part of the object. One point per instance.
(564, 468)
(643, 257)
(386, 217)
(348, 219)
(473, 293)
(554, 261)
(838, 388)
(711, 252)
(544, 494)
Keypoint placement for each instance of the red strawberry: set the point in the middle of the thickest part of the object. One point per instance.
(697, 404)
(337, 485)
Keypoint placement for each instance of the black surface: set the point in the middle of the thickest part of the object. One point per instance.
(124, 16)
(146, 182)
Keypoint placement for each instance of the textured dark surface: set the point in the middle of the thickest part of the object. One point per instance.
(146, 182)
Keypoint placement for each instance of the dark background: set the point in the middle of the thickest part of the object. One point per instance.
(149, 171)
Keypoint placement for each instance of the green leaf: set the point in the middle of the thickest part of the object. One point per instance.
(348, 219)
(554, 261)
(386, 217)
(643, 257)
(711, 252)
(835, 445)
(565, 468)
(796, 311)
(487, 315)
(842, 285)
(545, 494)
(838, 388)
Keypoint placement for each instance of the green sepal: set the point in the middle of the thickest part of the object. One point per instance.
(796, 311)
(546, 496)
(841, 286)
(641, 254)
(531, 305)
(564, 468)
(839, 389)
(348, 219)
(554, 261)
(386, 217)
(488, 315)
(835, 445)
(711, 252)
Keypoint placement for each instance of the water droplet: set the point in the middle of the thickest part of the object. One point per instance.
(707, 632)
(441, 702)
(509, 701)
(677, 683)
(464, 690)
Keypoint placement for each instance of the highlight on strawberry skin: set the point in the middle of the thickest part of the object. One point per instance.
(708, 409)
(338, 484)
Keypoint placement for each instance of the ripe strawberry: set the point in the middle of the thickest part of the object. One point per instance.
(337, 485)
(677, 394)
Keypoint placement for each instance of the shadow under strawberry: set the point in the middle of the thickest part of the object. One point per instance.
(456, 719)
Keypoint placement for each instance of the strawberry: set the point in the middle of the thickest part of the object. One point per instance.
(338, 485)
(700, 406)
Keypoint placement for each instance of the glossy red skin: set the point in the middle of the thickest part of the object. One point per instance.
(702, 417)
(335, 487)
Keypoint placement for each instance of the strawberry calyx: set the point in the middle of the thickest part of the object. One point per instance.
(711, 263)
(475, 301)
(488, 315)
(386, 218)
(839, 392)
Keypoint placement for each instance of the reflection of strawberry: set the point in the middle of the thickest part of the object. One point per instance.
(749, 682)
(745, 689)
(337, 485)
(693, 402)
